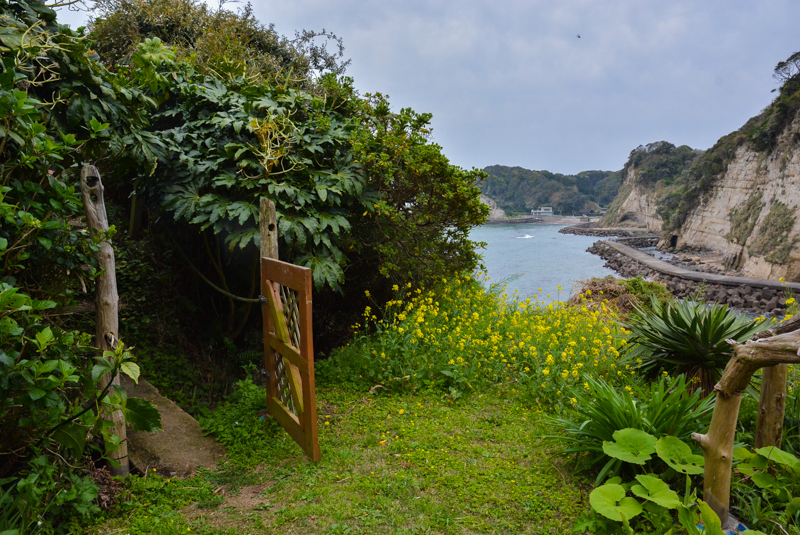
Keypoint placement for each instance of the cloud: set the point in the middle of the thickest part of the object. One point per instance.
(509, 82)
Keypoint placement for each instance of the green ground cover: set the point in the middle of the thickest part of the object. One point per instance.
(391, 463)
(451, 412)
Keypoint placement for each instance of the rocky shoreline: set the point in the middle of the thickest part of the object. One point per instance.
(755, 296)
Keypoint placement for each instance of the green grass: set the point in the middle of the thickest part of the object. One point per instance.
(408, 463)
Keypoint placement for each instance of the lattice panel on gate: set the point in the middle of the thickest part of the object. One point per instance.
(282, 383)
(288, 351)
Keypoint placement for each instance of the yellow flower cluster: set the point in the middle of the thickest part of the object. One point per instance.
(460, 335)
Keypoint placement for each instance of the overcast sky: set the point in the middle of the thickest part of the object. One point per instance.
(510, 82)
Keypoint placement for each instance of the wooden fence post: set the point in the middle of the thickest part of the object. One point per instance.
(268, 227)
(717, 444)
(106, 296)
(771, 406)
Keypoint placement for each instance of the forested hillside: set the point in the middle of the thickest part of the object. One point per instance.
(519, 190)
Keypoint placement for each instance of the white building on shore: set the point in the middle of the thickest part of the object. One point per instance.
(543, 211)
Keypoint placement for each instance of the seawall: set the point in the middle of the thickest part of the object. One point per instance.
(589, 229)
(757, 296)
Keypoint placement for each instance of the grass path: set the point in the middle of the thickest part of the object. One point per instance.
(390, 464)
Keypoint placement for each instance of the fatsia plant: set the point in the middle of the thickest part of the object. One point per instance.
(232, 143)
(683, 337)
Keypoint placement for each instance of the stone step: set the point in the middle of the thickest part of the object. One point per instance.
(180, 448)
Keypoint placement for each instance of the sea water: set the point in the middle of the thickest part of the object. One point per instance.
(535, 259)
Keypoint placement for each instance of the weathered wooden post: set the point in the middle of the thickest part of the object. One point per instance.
(772, 401)
(771, 406)
(106, 297)
(718, 443)
(268, 228)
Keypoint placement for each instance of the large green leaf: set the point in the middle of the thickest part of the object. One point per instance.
(688, 520)
(778, 456)
(72, 436)
(131, 369)
(678, 455)
(763, 480)
(631, 445)
(793, 507)
(142, 415)
(656, 491)
(712, 525)
(609, 500)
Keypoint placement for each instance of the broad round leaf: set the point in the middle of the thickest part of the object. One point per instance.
(678, 455)
(778, 456)
(656, 491)
(631, 445)
(764, 480)
(609, 500)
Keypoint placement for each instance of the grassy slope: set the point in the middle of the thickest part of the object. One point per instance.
(391, 464)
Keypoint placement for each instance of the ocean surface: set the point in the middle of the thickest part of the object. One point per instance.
(535, 259)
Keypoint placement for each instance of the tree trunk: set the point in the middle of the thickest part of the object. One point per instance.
(771, 406)
(106, 297)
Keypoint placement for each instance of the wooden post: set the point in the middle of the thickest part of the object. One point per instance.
(771, 406)
(772, 401)
(268, 228)
(718, 443)
(718, 454)
(106, 297)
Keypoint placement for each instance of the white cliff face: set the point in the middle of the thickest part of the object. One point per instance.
(776, 178)
(494, 211)
(640, 205)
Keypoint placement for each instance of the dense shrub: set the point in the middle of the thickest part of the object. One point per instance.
(620, 294)
(57, 105)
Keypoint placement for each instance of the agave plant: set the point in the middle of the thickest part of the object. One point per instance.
(684, 337)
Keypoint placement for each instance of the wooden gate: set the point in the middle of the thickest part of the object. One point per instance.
(289, 352)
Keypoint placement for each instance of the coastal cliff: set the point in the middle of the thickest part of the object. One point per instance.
(494, 211)
(740, 198)
(750, 213)
(652, 175)
(640, 205)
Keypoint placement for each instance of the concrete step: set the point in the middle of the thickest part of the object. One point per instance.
(180, 448)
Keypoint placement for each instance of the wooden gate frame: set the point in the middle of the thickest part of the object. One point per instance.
(290, 368)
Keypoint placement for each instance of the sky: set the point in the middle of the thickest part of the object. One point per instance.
(509, 82)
